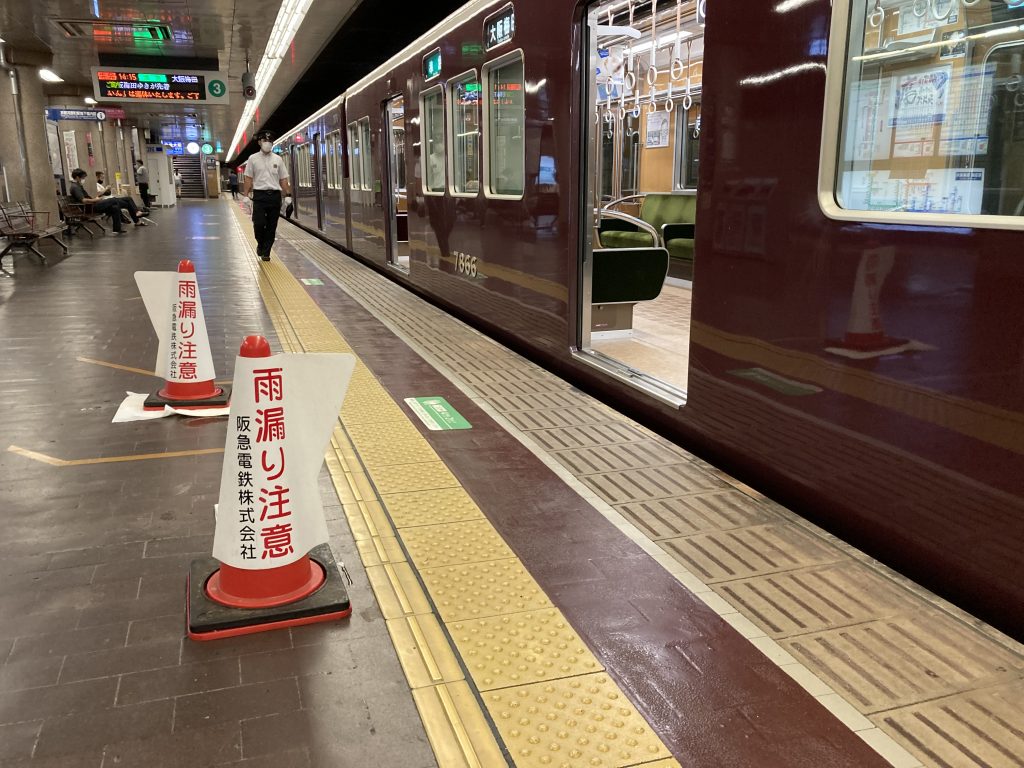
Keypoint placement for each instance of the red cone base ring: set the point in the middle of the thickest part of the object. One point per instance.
(221, 398)
(266, 589)
(201, 390)
(210, 620)
(866, 342)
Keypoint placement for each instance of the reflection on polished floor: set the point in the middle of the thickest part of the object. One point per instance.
(660, 344)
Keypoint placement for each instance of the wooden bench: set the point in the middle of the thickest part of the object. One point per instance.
(79, 215)
(24, 228)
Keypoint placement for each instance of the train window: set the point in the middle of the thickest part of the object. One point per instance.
(932, 107)
(365, 156)
(355, 166)
(302, 161)
(334, 160)
(464, 123)
(505, 109)
(432, 126)
(687, 146)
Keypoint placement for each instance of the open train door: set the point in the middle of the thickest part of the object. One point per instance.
(396, 209)
(641, 127)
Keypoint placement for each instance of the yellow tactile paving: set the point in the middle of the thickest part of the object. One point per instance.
(423, 650)
(413, 477)
(397, 590)
(389, 443)
(585, 721)
(529, 647)
(479, 590)
(505, 627)
(457, 727)
(472, 541)
(441, 505)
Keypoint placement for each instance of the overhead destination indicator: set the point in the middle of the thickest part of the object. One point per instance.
(124, 84)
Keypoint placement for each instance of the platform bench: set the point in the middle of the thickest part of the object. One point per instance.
(24, 228)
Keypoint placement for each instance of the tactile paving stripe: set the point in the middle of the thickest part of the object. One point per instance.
(588, 435)
(697, 513)
(389, 443)
(886, 664)
(579, 721)
(651, 483)
(471, 541)
(981, 728)
(528, 647)
(762, 549)
(441, 505)
(413, 477)
(478, 590)
(610, 458)
(815, 599)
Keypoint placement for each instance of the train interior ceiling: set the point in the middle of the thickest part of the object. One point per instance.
(646, 61)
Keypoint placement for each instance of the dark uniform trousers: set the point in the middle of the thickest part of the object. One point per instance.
(266, 207)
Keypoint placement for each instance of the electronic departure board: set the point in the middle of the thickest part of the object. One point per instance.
(124, 84)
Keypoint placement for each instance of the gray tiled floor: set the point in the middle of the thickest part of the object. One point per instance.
(95, 669)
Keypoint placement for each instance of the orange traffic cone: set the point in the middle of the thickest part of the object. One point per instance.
(262, 518)
(864, 331)
(184, 359)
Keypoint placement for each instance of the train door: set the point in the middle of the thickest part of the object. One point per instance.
(636, 260)
(396, 206)
(318, 192)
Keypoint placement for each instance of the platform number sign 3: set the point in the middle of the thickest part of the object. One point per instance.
(217, 88)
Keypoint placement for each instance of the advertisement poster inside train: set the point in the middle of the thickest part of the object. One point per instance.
(869, 132)
(921, 103)
(910, 23)
(939, 190)
(965, 130)
(610, 73)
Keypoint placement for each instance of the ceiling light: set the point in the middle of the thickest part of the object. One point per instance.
(90, 100)
(50, 76)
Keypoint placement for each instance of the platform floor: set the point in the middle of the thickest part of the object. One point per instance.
(555, 586)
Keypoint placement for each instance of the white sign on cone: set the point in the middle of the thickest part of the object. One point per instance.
(283, 410)
(176, 311)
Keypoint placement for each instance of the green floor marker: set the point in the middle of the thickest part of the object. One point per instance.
(776, 382)
(437, 413)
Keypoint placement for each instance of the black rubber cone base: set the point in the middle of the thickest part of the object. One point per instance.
(156, 403)
(208, 620)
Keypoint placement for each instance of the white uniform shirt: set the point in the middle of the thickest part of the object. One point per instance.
(266, 170)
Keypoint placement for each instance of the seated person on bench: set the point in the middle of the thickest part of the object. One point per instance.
(109, 205)
(127, 203)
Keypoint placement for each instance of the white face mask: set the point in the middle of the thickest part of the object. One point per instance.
(266, 146)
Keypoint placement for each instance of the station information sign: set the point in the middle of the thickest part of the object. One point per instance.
(500, 27)
(432, 64)
(153, 84)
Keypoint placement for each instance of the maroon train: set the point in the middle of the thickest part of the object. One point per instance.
(905, 438)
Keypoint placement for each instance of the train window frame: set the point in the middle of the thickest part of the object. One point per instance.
(683, 147)
(485, 122)
(469, 75)
(333, 159)
(424, 153)
(354, 165)
(832, 129)
(366, 157)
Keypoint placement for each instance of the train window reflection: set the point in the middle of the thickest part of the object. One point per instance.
(355, 167)
(464, 98)
(688, 147)
(334, 160)
(506, 125)
(432, 109)
(933, 118)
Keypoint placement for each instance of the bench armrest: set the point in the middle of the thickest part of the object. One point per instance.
(678, 232)
(640, 224)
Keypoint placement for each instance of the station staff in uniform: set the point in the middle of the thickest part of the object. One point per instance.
(266, 176)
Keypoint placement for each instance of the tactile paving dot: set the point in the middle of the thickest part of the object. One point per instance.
(390, 443)
(478, 590)
(578, 721)
(442, 505)
(472, 541)
(413, 477)
(521, 648)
